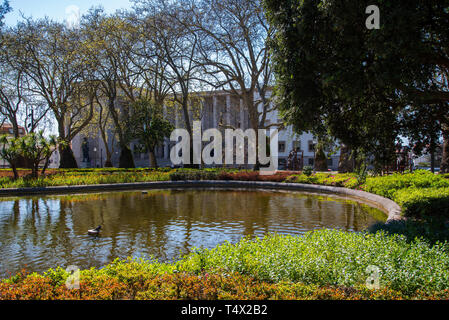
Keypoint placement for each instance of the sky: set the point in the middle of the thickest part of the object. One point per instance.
(60, 10)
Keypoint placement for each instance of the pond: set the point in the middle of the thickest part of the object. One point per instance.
(38, 233)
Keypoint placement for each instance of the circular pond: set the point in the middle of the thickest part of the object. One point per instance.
(38, 233)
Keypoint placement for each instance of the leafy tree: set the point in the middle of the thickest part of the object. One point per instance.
(37, 149)
(149, 126)
(335, 74)
(423, 129)
(11, 152)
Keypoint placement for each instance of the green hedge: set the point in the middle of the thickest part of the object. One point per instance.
(423, 202)
(420, 194)
(196, 175)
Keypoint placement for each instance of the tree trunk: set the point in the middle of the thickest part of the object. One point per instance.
(14, 170)
(66, 158)
(108, 164)
(444, 167)
(345, 164)
(126, 160)
(153, 160)
(320, 160)
(432, 156)
(22, 162)
(47, 162)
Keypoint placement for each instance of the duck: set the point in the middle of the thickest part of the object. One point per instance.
(94, 232)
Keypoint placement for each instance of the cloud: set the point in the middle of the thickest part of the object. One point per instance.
(73, 16)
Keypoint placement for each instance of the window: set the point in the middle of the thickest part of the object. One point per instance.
(330, 163)
(311, 146)
(281, 146)
(282, 163)
(311, 161)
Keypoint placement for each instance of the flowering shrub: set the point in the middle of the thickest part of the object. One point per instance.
(206, 286)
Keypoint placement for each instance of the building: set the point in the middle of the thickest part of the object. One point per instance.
(218, 107)
(7, 129)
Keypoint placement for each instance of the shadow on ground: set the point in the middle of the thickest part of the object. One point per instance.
(431, 229)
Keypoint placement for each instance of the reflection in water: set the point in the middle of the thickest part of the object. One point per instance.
(41, 233)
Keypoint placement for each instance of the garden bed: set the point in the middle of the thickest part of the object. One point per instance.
(322, 264)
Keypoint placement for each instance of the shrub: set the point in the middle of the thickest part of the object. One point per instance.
(193, 175)
(307, 170)
(330, 257)
(423, 202)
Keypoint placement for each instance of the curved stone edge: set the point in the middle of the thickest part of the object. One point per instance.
(388, 206)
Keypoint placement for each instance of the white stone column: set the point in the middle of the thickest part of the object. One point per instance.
(228, 109)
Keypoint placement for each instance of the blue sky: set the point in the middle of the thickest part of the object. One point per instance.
(56, 9)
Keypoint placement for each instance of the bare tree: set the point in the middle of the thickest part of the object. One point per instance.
(234, 53)
(58, 71)
(228, 39)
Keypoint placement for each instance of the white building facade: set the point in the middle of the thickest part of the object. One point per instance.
(219, 110)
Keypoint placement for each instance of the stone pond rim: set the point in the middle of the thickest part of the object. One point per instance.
(386, 205)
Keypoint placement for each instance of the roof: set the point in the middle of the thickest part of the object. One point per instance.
(6, 128)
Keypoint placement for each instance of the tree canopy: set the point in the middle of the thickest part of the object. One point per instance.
(336, 76)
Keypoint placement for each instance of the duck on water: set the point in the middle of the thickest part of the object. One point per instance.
(94, 232)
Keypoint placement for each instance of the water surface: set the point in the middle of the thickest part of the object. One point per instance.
(38, 233)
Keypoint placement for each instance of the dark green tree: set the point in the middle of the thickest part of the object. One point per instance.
(335, 74)
(150, 127)
(37, 149)
(10, 152)
(423, 129)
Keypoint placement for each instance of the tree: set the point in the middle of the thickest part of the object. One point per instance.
(423, 128)
(10, 152)
(36, 149)
(175, 50)
(334, 73)
(111, 39)
(150, 127)
(18, 106)
(232, 52)
(59, 72)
